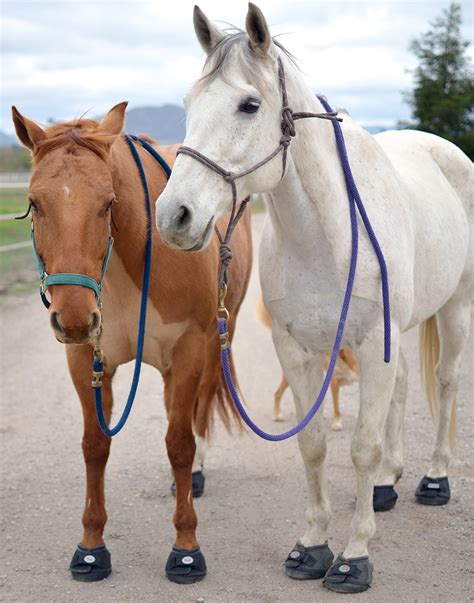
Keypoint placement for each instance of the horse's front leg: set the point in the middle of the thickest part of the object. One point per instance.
(352, 571)
(186, 562)
(91, 561)
(310, 557)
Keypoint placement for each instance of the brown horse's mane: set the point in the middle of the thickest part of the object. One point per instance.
(83, 132)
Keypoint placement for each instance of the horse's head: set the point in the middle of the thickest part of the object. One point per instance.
(234, 118)
(71, 196)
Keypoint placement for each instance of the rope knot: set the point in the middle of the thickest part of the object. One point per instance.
(225, 253)
(228, 177)
(287, 122)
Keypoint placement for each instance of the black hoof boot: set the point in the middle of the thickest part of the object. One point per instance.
(309, 563)
(90, 565)
(385, 498)
(185, 567)
(198, 484)
(349, 575)
(433, 491)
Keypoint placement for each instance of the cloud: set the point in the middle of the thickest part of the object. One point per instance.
(61, 58)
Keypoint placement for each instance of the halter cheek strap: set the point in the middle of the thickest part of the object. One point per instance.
(68, 278)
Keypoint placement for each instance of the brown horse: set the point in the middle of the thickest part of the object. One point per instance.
(84, 185)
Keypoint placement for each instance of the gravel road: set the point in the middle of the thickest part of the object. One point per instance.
(253, 508)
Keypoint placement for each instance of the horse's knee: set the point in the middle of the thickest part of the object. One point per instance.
(366, 452)
(181, 447)
(313, 447)
(95, 448)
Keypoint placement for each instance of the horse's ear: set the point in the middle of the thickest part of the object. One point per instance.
(208, 34)
(29, 133)
(114, 120)
(257, 29)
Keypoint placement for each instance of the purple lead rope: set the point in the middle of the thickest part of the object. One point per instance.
(354, 201)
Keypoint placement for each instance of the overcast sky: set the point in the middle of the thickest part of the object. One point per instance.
(62, 58)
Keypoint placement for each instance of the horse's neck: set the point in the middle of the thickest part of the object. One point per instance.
(309, 206)
(129, 212)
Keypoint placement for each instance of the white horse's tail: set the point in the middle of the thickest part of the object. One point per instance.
(429, 358)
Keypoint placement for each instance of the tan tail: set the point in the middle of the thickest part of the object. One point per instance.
(214, 396)
(429, 358)
(262, 313)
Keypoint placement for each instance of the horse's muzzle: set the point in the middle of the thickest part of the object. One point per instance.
(79, 334)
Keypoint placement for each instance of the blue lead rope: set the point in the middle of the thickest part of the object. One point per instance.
(354, 201)
(98, 365)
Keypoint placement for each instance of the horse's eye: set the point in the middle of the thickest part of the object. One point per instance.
(250, 105)
(34, 207)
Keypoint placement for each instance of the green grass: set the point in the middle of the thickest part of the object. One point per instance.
(14, 231)
(258, 206)
(17, 268)
(13, 200)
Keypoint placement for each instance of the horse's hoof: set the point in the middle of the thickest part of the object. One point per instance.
(279, 418)
(433, 491)
(336, 425)
(90, 565)
(349, 575)
(198, 484)
(185, 567)
(308, 563)
(384, 499)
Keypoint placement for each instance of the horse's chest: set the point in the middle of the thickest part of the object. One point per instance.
(121, 314)
(304, 295)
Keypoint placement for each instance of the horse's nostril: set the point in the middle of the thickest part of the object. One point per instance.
(183, 218)
(54, 318)
(95, 323)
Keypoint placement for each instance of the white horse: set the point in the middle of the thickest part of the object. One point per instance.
(416, 188)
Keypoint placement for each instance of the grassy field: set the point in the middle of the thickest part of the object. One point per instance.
(13, 201)
(17, 268)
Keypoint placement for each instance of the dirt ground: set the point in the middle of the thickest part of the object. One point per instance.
(253, 509)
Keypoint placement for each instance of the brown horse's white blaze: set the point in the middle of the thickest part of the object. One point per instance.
(83, 172)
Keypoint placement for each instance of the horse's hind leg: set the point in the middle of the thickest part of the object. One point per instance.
(276, 414)
(336, 424)
(91, 561)
(311, 556)
(391, 467)
(185, 563)
(453, 322)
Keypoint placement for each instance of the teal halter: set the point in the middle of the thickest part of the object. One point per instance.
(68, 278)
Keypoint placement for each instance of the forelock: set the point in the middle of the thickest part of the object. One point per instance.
(254, 67)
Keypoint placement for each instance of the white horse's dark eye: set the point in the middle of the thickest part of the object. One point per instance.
(250, 105)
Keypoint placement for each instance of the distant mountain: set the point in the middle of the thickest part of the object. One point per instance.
(166, 124)
(6, 140)
(377, 129)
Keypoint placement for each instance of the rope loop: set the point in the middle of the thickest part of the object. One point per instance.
(287, 122)
(225, 253)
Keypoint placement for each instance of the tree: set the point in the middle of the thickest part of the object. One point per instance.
(443, 97)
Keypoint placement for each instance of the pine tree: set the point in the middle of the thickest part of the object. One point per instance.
(443, 97)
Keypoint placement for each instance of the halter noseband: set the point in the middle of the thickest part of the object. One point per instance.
(69, 278)
(288, 130)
